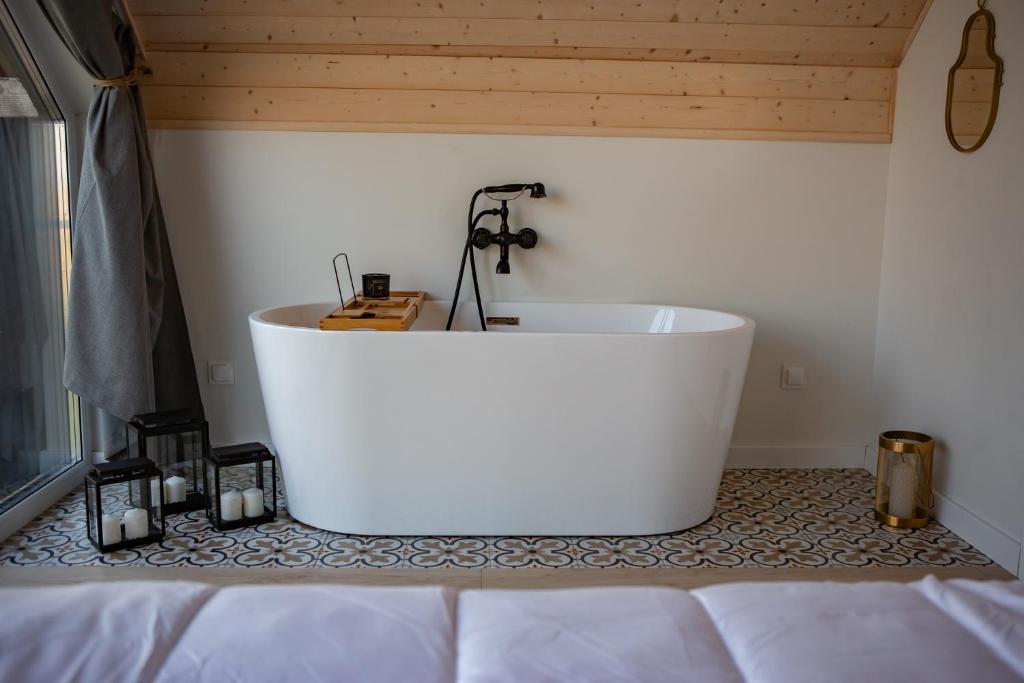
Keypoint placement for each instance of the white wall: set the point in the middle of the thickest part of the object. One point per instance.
(787, 233)
(951, 315)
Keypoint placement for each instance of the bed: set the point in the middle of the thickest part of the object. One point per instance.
(931, 630)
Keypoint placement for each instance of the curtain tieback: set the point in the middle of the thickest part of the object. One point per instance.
(129, 79)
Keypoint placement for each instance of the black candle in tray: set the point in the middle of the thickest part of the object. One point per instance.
(376, 285)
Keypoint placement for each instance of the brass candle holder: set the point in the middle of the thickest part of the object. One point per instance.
(903, 485)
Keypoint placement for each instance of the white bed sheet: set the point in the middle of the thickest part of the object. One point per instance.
(318, 633)
(646, 635)
(118, 631)
(846, 632)
(991, 610)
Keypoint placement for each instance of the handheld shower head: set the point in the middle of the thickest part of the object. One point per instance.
(536, 189)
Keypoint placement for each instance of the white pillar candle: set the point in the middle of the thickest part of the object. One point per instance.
(136, 523)
(902, 486)
(174, 490)
(111, 526)
(230, 506)
(252, 502)
(154, 491)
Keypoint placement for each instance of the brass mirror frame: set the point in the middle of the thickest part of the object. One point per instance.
(990, 48)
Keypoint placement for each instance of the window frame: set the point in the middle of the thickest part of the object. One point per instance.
(37, 48)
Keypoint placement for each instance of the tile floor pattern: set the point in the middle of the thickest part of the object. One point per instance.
(763, 518)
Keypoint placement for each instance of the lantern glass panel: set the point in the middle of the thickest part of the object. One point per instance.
(255, 482)
(92, 510)
(181, 455)
(176, 454)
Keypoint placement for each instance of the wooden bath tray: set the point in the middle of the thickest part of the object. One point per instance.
(394, 314)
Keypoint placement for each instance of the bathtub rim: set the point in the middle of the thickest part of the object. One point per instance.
(256, 317)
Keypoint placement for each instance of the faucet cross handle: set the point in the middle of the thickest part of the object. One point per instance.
(526, 238)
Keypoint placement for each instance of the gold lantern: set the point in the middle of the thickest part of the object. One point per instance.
(903, 487)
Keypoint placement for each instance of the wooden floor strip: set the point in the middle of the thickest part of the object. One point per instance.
(485, 578)
(695, 578)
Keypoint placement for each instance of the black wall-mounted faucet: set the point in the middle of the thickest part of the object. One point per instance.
(481, 238)
(505, 238)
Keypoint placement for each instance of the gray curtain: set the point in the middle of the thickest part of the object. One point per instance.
(128, 348)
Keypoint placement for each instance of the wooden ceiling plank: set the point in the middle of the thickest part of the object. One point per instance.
(831, 58)
(873, 43)
(522, 75)
(589, 131)
(511, 108)
(889, 13)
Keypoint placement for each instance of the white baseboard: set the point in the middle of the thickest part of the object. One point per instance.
(754, 456)
(982, 534)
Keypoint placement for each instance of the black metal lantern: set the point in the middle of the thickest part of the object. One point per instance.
(241, 486)
(176, 441)
(121, 510)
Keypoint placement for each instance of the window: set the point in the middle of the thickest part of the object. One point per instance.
(39, 420)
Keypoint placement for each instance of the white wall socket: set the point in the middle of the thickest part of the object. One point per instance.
(220, 372)
(793, 376)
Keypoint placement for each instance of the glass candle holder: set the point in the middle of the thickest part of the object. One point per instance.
(176, 442)
(903, 485)
(120, 508)
(241, 486)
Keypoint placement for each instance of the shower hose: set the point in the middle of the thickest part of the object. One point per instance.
(468, 251)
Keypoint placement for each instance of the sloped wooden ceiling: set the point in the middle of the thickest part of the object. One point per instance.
(750, 69)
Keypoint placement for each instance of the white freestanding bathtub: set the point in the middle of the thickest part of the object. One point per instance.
(586, 419)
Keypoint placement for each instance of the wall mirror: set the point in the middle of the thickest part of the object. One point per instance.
(972, 96)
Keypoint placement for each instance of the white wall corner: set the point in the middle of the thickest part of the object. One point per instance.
(870, 459)
(755, 456)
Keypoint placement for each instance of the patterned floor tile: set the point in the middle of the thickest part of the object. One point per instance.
(283, 550)
(629, 551)
(447, 552)
(201, 550)
(380, 552)
(763, 518)
(535, 551)
(700, 552)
